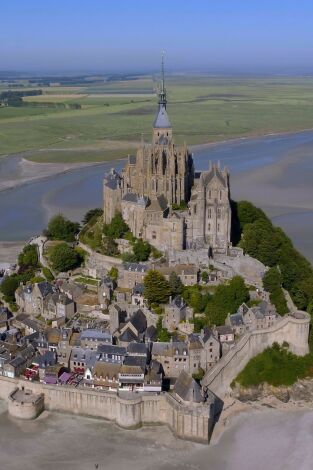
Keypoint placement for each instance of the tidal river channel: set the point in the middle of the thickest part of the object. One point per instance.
(274, 172)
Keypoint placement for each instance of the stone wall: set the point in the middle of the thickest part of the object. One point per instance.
(294, 331)
(187, 422)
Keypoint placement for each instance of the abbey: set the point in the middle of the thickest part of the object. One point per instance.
(163, 200)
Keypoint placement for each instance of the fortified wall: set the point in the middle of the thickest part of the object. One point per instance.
(293, 329)
(193, 423)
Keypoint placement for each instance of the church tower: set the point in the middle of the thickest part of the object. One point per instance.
(162, 129)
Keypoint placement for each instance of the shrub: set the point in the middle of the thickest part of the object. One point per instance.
(60, 228)
(63, 257)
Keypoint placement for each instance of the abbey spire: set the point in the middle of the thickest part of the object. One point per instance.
(162, 129)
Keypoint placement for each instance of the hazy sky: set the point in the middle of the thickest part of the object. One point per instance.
(128, 35)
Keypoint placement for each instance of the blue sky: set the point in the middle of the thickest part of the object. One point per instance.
(129, 35)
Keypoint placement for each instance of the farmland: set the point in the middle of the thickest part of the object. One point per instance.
(114, 114)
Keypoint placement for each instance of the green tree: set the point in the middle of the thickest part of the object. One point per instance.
(28, 258)
(176, 286)
(9, 286)
(113, 273)
(117, 228)
(60, 228)
(156, 287)
(205, 276)
(272, 279)
(92, 215)
(109, 247)
(63, 258)
(141, 250)
(227, 299)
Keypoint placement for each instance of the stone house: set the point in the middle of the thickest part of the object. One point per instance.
(174, 357)
(58, 305)
(68, 339)
(133, 330)
(204, 350)
(105, 291)
(91, 339)
(261, 316)
(175, 312)
(131, 274)
(132, 374)
(111, 353)
(82, 359)
(105, 376)
(137, 297)
(187, 390)
(225, 334)
(187, 273)
(30, 298)
(48, 359)
(118, 316)
(27, 324)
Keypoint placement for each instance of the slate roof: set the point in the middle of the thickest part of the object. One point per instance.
(188, 389)
(84, 355)
(171, 349)
(135, 267)
(45, 360)
(136, 361)
(214, 172)
(138, 289)
(139, 321)
(162, 120)
(158, 204)
(207, 335)
(178, 302)
(134, 198)
(96, 335)
(236, 319)
(137, 348)
(151, 333)
(112, 179)
(128, 336)
(45, 288)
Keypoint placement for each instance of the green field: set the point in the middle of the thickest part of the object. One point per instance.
(114, 114)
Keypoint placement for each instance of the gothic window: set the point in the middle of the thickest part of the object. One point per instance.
(209, 213)
(218, 213)
(210, 194)
(209, 227)
(218, 227)
(195, 209)
(220, 194)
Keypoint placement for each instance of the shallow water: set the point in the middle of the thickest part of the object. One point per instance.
(25, 210)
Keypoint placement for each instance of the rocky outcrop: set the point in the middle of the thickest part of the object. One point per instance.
(300, 392)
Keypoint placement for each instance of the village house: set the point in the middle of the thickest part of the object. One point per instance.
(92, 338)
(137, 297)
(58, 305)
(105, 291)
(176, 312)
(261, 316)
(105, 376)
(82, 359)
(187, 273)
(111, 353)
(30, 298)
(174, 357)
(187, 390)
(131, 274)
(133, 330)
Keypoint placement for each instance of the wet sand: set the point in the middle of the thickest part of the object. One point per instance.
(269, 439)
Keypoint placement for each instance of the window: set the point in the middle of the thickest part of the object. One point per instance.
(153, 235)
(210, 194)
(209, 227)
(218, 227)
(218, 213)
(209, 213)
(220, 194)
(195, 209)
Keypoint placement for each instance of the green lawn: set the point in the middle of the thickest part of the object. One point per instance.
(201, 109)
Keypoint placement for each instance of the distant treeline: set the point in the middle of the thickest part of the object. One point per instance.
(15, 98)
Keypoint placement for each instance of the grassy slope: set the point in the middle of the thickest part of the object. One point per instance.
(201, 109)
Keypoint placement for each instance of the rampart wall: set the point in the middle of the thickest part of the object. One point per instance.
(187, 422)
(294, 331)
